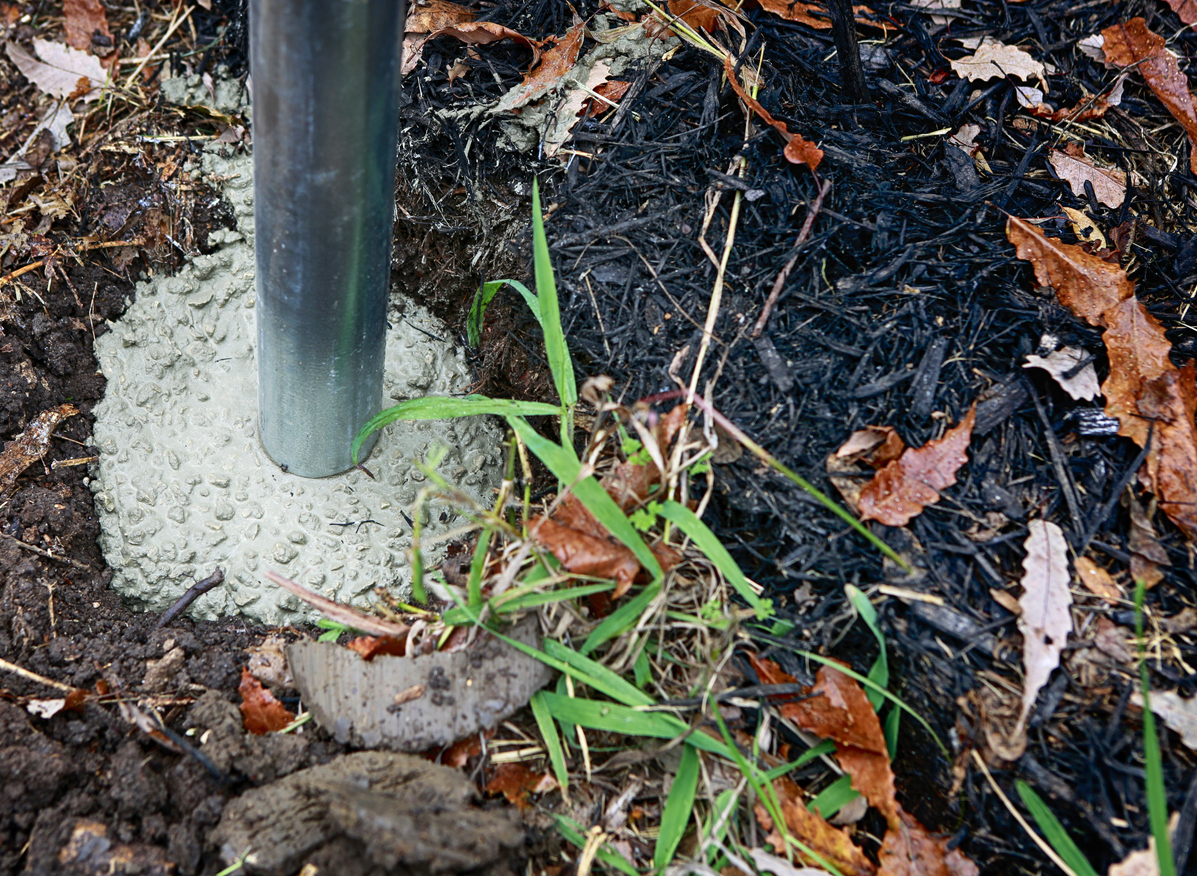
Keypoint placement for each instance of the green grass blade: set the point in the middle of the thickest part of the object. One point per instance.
(483, 297)
(722, 815)
(555, 346)
(824, 747)
(1157, 795)
(622, 619)
(678, 807)
(834, 797)
(443, 408)
(1053, 830)
(552, 742)
(614, 718)
(610, 683)
(477, 564)
(572, 831)
(567, 468)
(507, 603)
(705, 540)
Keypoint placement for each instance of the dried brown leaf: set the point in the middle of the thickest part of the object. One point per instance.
(260, 711)
(554, 64)
(1170, 401)
(1147, 554)
(841, 712)
(698, 15)
(1046, 619)
(370, 647)
(903, 488)
(516, 781)
(30, 446)
(1097, 580)
(1109, 184)
(82, 18)
(995, 60)
(876, 446)
(1084, 283)
(1060, 363)
(59, 70)
(587, 553)
(833, 844)
(798, 150)
(471, 32)
(1133, 45)
(434, 15)
(1179, 714)
(813, 14)
(1186, 10)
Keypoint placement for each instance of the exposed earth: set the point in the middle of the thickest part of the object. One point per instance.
(903, 305)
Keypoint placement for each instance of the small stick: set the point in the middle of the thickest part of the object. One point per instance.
(843, 32)
(775, 292)
(33, 676)
(193, 593)
(42, 552)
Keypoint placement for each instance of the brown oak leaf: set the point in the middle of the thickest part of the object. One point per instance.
(900, 491)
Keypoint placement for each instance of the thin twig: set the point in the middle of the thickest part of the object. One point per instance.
(194, 592)
(42, 552)
(779, 283)
(33, 676)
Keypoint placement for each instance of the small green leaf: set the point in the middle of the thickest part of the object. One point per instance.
(834, 797)
(555, 346)
(485, 294)
(1057, 836)
(552, 742)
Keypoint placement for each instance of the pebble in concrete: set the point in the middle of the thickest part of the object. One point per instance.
(183, 484)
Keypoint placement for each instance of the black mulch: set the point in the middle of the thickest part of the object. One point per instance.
(905, 305)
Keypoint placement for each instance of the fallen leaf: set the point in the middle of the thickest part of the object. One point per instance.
(30, 446)
(833, 844)
(966, 137)
(59, 70)
(874, 445)
(798, 150)
(903, 488)
(1085, 228)
(516, 781)
(613, 90)
(1186, 10)
(1171, 402)
(1084, 283)
(1138, 351)
(267, 662)
(1133, 45)
(82, 18)
(1147, 554)
(1046, 620)
(470, 32)
(45, 709)
(369, 647)
(1111, 641)
(260, 711)
(1082, 385)
(1143, 862)
(697, 14)
(434, 15)
(585, 553)
(547, 75)
(814, 14)
(1088, 107)
(1098, 581)
(1109, 185)
(568, 114)
(767, 863)
(842, 712)
(995, 60)
(1006, 601)
(1178, 713)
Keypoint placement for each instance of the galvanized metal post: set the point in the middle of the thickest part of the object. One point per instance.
(325, 96)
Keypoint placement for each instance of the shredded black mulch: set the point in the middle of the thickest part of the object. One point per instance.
(905, 305)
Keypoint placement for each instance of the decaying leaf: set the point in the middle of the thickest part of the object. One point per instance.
(841, 711)
(1147, 554)
(1084, 283)
(1085, 228)
(798, 150)
(568, 114)
(1061, 364)
(1186, 10)
(1046, 619)
(30, 446)
(876, 446)
(434, 15)
(903, 488)
(1097, 580)
(82, 18)
(697, 14)
(260, 711)
(1178, 713)
(516, 781)
(584, 553)
(1133, 45)
(813, 14)
(994, 60)
(554, 64)
(59, 70)
(833, 844)
(369, 647)
(1109, 185)
(470, 32)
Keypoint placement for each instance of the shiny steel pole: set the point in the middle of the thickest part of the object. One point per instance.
(325, 97)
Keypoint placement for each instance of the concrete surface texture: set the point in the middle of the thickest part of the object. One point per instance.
(183, 484)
